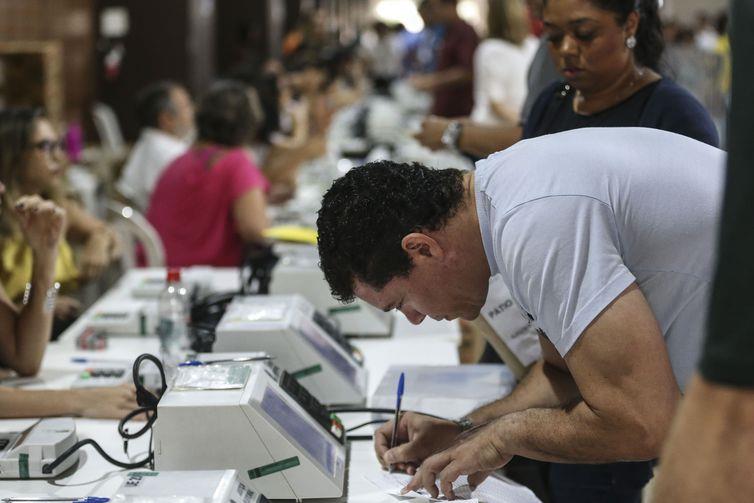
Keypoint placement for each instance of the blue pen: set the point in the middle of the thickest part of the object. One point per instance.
(99, 361)
(191, 363)
(241, 359)
(393, 439)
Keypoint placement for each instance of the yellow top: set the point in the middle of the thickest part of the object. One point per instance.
(16, 266)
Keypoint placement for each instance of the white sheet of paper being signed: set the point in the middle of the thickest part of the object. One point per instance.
(492, 490)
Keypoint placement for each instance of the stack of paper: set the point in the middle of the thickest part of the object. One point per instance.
(494, 489)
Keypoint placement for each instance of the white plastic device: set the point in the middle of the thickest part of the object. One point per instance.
(24, 454)
(210, 486)
(257, 421)
(102, 376)
(298, 272)
(124, 317)
(302, 342)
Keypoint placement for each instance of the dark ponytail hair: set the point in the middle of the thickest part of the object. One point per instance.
(649, 40)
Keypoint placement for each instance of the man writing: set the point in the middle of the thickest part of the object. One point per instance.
(605, 237)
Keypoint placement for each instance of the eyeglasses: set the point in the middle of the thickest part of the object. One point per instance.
(48, 146)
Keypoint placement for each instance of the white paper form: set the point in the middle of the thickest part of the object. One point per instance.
(492, 490)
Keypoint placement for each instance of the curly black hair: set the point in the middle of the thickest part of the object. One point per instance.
(366, 214)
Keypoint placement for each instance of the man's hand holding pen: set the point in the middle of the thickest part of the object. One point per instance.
(417, 437)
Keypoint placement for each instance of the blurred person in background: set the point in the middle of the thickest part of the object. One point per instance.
(542, 71)
(705, 35)
(282, 143)
(211, 202)
(32, 162)
(334, 79)
(608, 53)
(25, 330)
(421, 52)
(500, 64)
(722, 49)
(165, 114)
(346, 80)
(384, 55)
(708, 455)
(451, 84)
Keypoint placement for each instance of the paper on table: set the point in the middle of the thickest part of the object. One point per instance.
(492, 490)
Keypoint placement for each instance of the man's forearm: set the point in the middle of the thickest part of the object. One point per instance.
(543, 386)
(482, 140)
(572, 434)
(34, 321)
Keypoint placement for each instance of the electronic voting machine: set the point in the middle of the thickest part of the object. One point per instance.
(256, 419)
(301, 340)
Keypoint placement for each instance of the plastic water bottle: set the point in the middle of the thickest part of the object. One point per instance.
(172, 311)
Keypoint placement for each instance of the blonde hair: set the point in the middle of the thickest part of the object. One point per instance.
(507, 20)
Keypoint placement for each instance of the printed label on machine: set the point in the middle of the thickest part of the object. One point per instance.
(277, 466)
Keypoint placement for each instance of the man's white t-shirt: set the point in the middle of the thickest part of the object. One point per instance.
(150, 156)
(570, 220)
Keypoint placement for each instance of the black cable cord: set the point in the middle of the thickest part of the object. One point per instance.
(147, 405)
(48, 468)
(151, 418)
(375, 421)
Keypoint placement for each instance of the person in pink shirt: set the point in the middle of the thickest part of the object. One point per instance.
(210, 202)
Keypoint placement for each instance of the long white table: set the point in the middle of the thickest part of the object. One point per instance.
(432, 343)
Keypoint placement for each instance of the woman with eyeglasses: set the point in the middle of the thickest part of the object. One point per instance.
(32, 162)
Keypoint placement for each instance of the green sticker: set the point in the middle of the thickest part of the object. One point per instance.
(275, 467)
(23, 466)
(344, 309)
(300, 374)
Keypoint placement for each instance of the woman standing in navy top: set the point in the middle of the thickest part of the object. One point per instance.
(608, 84)
(608, 53)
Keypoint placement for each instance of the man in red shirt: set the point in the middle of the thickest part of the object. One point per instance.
(452, 83)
